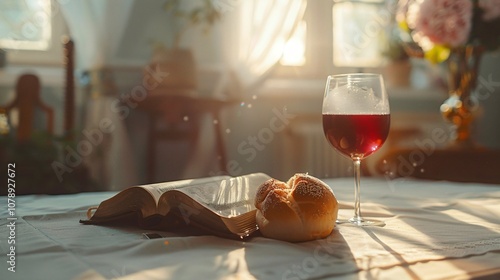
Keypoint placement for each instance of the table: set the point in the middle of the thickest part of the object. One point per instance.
(435, 230)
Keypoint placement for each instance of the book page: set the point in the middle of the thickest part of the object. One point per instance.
(158, 189)
(230, 197)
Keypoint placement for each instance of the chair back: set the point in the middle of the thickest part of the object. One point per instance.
(27, 101)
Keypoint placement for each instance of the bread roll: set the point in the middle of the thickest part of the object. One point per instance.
(302, 209)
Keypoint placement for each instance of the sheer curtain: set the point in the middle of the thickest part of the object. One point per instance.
(97, 27)
(251, 40)
(254, 36)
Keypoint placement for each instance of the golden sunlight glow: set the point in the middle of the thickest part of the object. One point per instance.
(295, 48)
(473, 219)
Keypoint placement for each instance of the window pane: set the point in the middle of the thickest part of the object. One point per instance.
(25, 24)
(357, 31)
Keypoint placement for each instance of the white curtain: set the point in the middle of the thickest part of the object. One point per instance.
(251, 40)
(255, 35)
(96, 27)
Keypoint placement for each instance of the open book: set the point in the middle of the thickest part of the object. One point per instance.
(221, 205)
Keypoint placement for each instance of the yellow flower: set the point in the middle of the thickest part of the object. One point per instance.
(437, 54)
(403, 25)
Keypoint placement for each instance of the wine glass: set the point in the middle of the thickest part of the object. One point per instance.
(356, 120)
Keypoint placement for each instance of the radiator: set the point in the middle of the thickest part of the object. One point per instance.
(307, 150)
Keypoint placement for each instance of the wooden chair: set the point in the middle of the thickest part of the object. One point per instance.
(35, 154)
(27, 101)
(32, 154)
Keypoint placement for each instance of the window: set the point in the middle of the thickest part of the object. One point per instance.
(31, 32)
(359, 29)
(25, 24)
(338, 36)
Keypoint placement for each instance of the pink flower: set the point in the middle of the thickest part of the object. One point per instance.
(491, 9)
(446, 22)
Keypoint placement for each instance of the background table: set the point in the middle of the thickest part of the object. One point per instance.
(435, 230)
(182, 115)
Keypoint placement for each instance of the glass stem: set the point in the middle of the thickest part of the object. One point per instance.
(357, 195)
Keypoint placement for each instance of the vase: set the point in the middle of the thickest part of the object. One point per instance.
(460, 108)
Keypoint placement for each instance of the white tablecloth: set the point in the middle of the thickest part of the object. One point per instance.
(434, 230)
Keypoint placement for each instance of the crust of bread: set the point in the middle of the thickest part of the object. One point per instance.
(302, 209)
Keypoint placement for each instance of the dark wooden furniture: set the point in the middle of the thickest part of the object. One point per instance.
(174, 115)
(69, 90)
(459, 164)
(27, 101)
(35, 150)
(29, 148)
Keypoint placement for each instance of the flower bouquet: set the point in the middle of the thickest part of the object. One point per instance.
(457, 32)
(439, 26)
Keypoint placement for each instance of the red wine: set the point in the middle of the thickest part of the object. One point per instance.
(356, 135)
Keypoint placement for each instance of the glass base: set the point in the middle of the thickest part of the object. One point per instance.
(361, 222)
